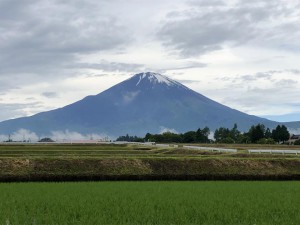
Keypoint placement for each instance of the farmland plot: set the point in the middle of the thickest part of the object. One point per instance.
(213, 203)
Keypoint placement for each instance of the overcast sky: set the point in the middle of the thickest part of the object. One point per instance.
(244, 54)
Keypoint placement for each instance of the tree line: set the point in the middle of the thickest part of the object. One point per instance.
(256, 134)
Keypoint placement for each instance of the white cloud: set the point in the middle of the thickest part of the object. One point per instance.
(263, 23)
(71, 135)
(21, 135)
(27, 135)
(130, 96)
(166, 129)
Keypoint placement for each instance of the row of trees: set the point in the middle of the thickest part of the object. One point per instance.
(198, 136)
(256, 134)
(130, 138)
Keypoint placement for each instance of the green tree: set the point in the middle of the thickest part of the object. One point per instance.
(280, 133)
(243, 138)
(256, 133)
(202, 135)
(130, 138)
(268, 141)
(169, 137)
(148, 137)
(268, 133)
(221, 134)
(234, 133)
(189, 137)
(225, 135)
(228, 140)
(297, 142)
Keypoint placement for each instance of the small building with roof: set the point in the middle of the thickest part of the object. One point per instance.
(293, 138)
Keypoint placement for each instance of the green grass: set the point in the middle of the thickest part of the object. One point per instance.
(211, 203)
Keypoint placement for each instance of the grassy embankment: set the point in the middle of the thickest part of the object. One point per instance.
(127, 162)
(210, 203)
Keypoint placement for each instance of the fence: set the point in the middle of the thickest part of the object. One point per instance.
(274, 151)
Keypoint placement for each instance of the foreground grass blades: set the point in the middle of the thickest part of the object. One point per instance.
(211, 203)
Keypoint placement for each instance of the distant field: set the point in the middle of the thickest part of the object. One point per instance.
(211, 203)
(125, 150)
(65, 162)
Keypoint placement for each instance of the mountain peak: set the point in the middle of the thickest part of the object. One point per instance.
(146, 102)
(153, 79)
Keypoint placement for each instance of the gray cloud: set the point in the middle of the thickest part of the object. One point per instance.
(50, 94)
(286, 84)
(248, 78)
(17, 109)
(264, 75)
(45, 41)
(294, 71)
(190, 65)
(260, 76)
(198, 31)
(67, 43)
(187, 81)
(253, 77)
(274, 92)
(107, 66)
(41, 38)
(186, 65)
(258, 98)
(206, 3)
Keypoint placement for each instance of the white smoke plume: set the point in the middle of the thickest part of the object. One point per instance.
(21, 135)
(72, 135)
(166, 129)
(28, 136)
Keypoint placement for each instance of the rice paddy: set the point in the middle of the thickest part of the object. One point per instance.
(211, 203)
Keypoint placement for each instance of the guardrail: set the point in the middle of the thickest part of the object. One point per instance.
(274, 151)
(185, 146)
(132, 143)
(163, 145)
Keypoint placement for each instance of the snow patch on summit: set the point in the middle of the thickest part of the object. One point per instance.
(156, 78)
(141, 78)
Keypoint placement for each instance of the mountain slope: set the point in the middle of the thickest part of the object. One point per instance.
(147, 102)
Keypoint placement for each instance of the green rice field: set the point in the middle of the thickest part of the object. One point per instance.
(210, 202)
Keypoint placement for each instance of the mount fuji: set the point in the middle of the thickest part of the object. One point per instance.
(147, 102)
